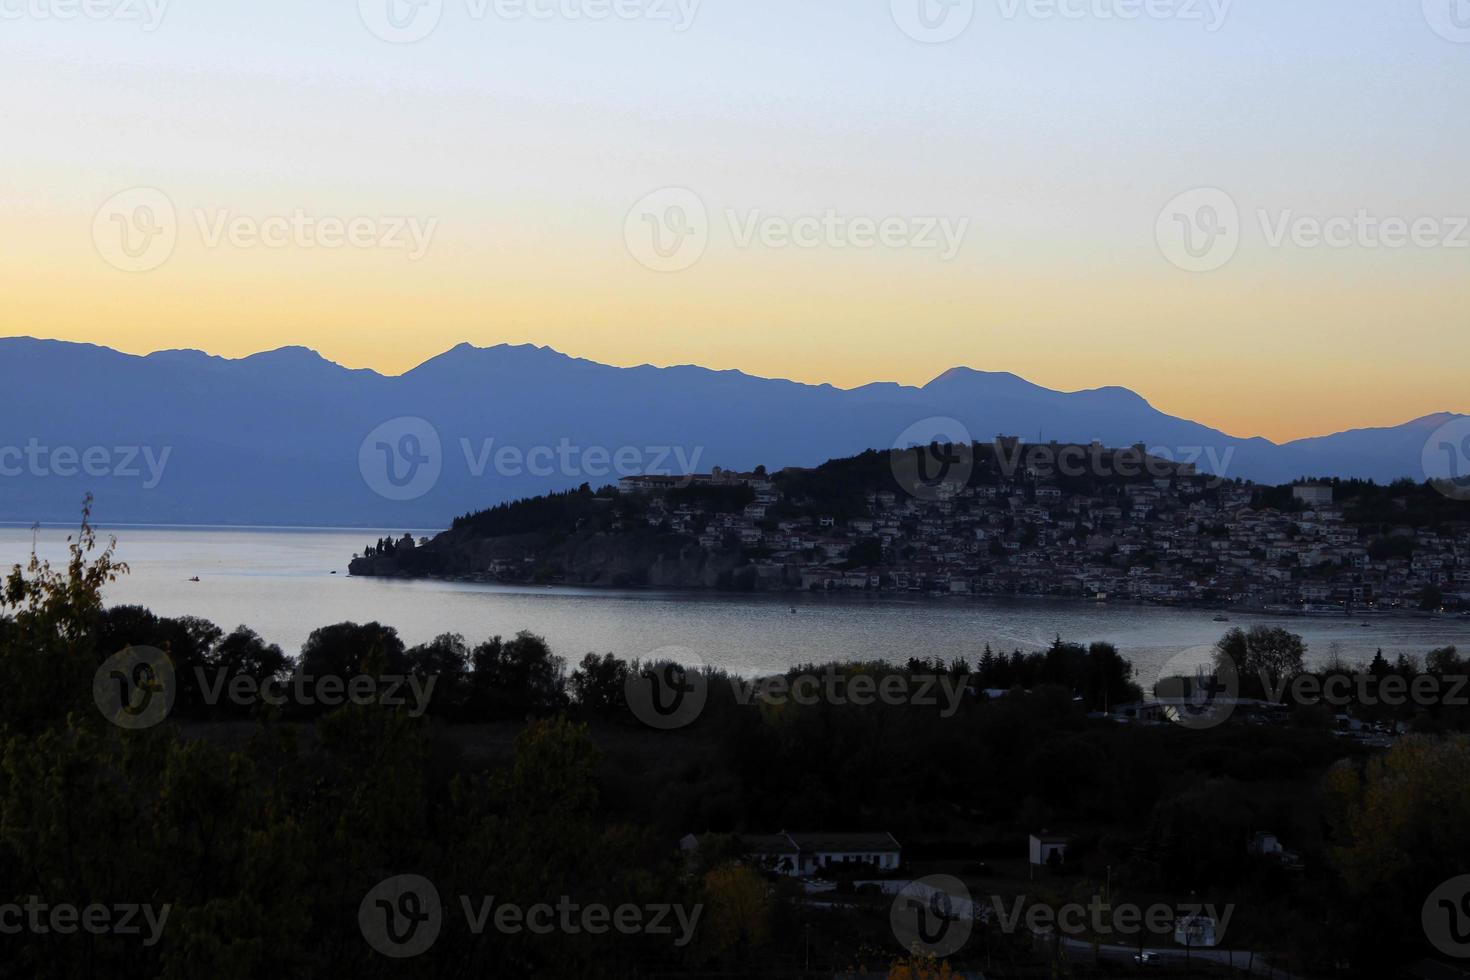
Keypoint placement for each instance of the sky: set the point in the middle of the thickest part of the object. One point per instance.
(1250, 212)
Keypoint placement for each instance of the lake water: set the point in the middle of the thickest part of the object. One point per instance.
(280, 583)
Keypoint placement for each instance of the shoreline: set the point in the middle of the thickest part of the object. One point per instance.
(1385, 615)
(123, 525)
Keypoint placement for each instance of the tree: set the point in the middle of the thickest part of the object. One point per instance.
(1398, 827)
(516, 677)
(1276, 653)
(1262, 658)
(1380, 667)
(244, 654)
(1444, 661)
(738, 917)
(48, 620)
(447, 659)
(919, 967)
(189, 642)
(348, 649)
(599, 684)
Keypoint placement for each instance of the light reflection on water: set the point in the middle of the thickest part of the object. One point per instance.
(279, 583)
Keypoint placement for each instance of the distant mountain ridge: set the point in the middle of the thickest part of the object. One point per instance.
(282, 437)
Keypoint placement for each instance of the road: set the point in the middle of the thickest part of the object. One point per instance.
(1239, 959)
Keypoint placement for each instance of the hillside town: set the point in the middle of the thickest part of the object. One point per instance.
(1171, 536)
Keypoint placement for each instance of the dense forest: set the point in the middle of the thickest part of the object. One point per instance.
(262, 825)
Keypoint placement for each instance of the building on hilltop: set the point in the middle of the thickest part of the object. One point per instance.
(799, 854)
(1313, 494)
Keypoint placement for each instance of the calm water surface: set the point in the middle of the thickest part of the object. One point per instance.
(280, 583)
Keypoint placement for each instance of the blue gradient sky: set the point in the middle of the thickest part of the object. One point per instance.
(1059, 139)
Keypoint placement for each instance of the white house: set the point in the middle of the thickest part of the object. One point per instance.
(1312, 494)
(1044, 845)
(820, 850)
(811, 853)
(1195, 931)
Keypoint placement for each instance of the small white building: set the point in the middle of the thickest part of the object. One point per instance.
(800, 854)
(1045, 845)
(1313, 494)
(1195, 931)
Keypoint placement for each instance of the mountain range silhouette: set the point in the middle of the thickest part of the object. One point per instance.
(282, 437)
